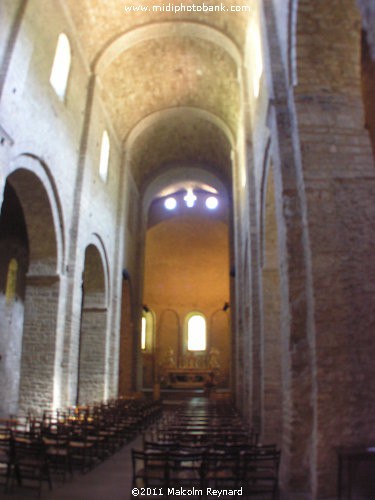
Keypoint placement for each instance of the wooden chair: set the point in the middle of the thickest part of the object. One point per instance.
(56, 442)
(5, 454)
(29, 462)
(259, 471)
(160, 446)
(81, 449)
(186, 469)
(150, 469)
(221, 469)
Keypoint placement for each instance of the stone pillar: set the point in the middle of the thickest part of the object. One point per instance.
(38, 346)
(340, 187)
(339, 177)
(127, 344)
(256, 324)
(92, 355)
(272, 386)
(296, 319)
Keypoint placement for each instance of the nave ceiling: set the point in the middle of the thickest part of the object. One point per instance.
(171, 82)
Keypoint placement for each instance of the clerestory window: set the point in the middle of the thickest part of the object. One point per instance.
(104, 157)
(61, 66)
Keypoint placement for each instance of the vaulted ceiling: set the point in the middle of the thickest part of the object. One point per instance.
(171, 81)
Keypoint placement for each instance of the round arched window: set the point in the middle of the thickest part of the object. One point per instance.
(196, 333)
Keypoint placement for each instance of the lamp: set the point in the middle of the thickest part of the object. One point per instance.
(125, 275)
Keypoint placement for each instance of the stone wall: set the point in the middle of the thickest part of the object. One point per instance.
(187, 270)
(58, 141)
(339, 178)
(38, 346)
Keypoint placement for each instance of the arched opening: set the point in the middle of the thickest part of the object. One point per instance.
(14, 251)
(185, 285)
(92, 345)
(31, 305)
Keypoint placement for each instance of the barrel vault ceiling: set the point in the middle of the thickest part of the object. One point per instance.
(171, 81)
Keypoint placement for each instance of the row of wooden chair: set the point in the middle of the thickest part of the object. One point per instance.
(206, 446)
(254, 470)
(65, 441)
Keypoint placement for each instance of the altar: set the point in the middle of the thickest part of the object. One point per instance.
(189, 378)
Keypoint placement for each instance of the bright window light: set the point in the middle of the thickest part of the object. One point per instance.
(143, 333)
(190, 198)
(197, 333)
(104, 157)
(257, 58)
(170, 203)
(61, 66)
(212, 202)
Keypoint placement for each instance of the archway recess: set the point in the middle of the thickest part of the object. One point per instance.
(92, 346)
(40, 323)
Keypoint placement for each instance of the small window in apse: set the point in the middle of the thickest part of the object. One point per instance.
(196, 333)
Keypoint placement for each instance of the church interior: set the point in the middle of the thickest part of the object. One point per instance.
(187, 197)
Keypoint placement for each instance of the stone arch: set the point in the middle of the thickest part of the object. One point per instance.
(165, 114)
(42, 194)
(38, 371)
(95, 241)
(93, 333)
(127, 40)
(181, 173)
(162, 171)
